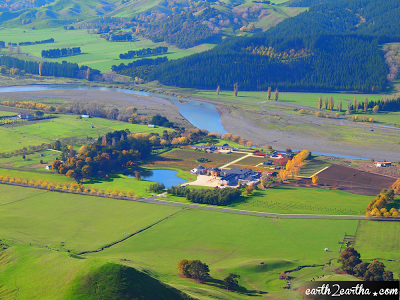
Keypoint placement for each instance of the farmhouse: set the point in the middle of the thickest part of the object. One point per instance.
(25, 116)
(200, 170)
(232, 176)
(382, 164)
(85, 116)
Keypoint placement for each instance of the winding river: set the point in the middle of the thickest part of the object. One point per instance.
(201, 114)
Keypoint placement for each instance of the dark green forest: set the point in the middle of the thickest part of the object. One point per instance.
(342, 39)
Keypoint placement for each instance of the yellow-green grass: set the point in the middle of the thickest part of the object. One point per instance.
(378, 240)
(64, 126)
(232, 243)
(97, 53)
(299, 200)
(74, 222)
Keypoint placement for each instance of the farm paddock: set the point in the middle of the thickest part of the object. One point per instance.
(354, 181)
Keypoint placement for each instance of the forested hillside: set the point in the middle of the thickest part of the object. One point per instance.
(339, 42)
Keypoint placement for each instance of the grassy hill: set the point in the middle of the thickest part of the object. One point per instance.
(29, 272)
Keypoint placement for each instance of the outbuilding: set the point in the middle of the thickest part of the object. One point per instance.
(382, 164)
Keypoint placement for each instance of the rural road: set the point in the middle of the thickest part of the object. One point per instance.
(154, 200)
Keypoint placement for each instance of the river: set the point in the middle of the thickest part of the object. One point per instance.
(201, 114)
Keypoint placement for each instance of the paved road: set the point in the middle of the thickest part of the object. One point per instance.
(155, 200)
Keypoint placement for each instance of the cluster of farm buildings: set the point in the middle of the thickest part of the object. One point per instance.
(229, 177)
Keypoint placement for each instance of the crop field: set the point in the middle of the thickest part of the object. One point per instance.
(70, 221)
(65, 126)
(354, 180)
(97, 53)
(187, 159)
(256, 248)
(311, 167)
(386, 239)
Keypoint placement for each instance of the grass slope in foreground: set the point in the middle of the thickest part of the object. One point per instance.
(72, 222)
(232, 243)
(28, 272)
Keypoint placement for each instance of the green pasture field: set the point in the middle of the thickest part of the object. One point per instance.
(299, 200)
(70, 221)
(7, 114)
(30, 272)
(31, 161)
(122, 182)
(35, 175)
(64, 126)
(385, 237)
(97, 53)
(40, 273)
(232, 243)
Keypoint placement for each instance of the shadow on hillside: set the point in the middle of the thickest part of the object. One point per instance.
(242, 290)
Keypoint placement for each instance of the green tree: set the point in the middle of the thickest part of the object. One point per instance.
(360, 269)
(349, 259)
(198, 270)
(231, 283)
(387, 276)
(375, 271)
(57, 145)
(39, 113)
(87, 171)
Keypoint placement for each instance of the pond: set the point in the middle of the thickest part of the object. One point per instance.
(168, 177)
(201, 114)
